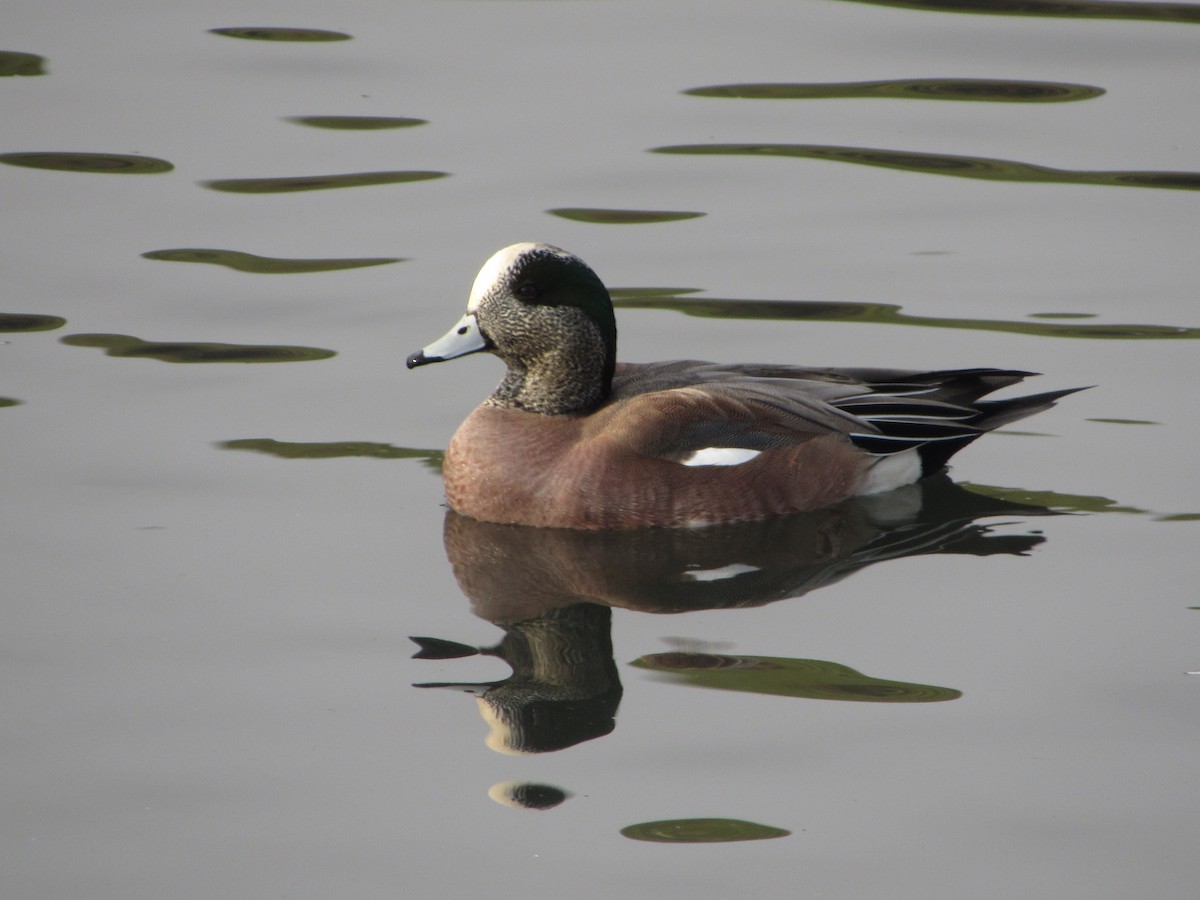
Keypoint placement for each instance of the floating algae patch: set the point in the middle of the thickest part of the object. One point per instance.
(621, 216)
(702, 831)
(947, 164)
(269, 33)
(334, 450)
(15, 322)
(970, 89)
(264, 265)
(357, 123)
(1066, 9)
(124, 345)
(814, 679)
(13, 62)
(680, 300)
(317, 182)
(105, 163)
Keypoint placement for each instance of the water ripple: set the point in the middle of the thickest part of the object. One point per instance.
(1069, 9)
(621, 216)
(813, 679)
(945, 164)
(306, 35)
(702, 831)
(357, 123)
(334, 450)
(317, 182)
(879, 314)
(978, 89)
(264, 265)
(13, 62)
(10, 322)
(124, 345)
(88, 162)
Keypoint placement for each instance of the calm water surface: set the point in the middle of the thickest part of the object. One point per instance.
(224, 226)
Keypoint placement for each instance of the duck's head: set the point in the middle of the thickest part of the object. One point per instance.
(549, 317)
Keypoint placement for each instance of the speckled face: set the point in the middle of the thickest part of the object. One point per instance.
(527, 299)
(548, 316)
(539, 275)
(507, 293)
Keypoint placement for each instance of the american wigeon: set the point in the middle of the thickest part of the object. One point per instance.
(571, 438)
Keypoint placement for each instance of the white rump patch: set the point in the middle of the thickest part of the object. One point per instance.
(892, 471)
(720, 456)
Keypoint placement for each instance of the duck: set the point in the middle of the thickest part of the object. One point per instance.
(571, 438)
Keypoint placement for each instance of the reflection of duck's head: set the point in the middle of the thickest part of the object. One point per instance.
(521, 724)
(564, 687)
(571, 439)
(513, 573)
(527, 795)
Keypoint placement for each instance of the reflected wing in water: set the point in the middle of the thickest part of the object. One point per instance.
(551, 590)
(513, 573)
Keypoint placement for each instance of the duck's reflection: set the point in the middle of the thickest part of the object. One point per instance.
(552, 590)
(564, 687)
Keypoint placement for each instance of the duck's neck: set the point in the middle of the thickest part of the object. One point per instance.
(573, 378)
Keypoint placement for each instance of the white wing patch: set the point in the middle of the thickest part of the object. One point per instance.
(730, 571)
(720, 456)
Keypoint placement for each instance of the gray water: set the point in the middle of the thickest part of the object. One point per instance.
(222, 519)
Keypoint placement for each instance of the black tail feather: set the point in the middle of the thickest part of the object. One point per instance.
(939, 413)
(993, 414)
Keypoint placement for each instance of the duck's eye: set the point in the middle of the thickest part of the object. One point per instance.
(527, 291)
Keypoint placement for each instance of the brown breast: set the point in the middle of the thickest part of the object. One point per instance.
(511, 466)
